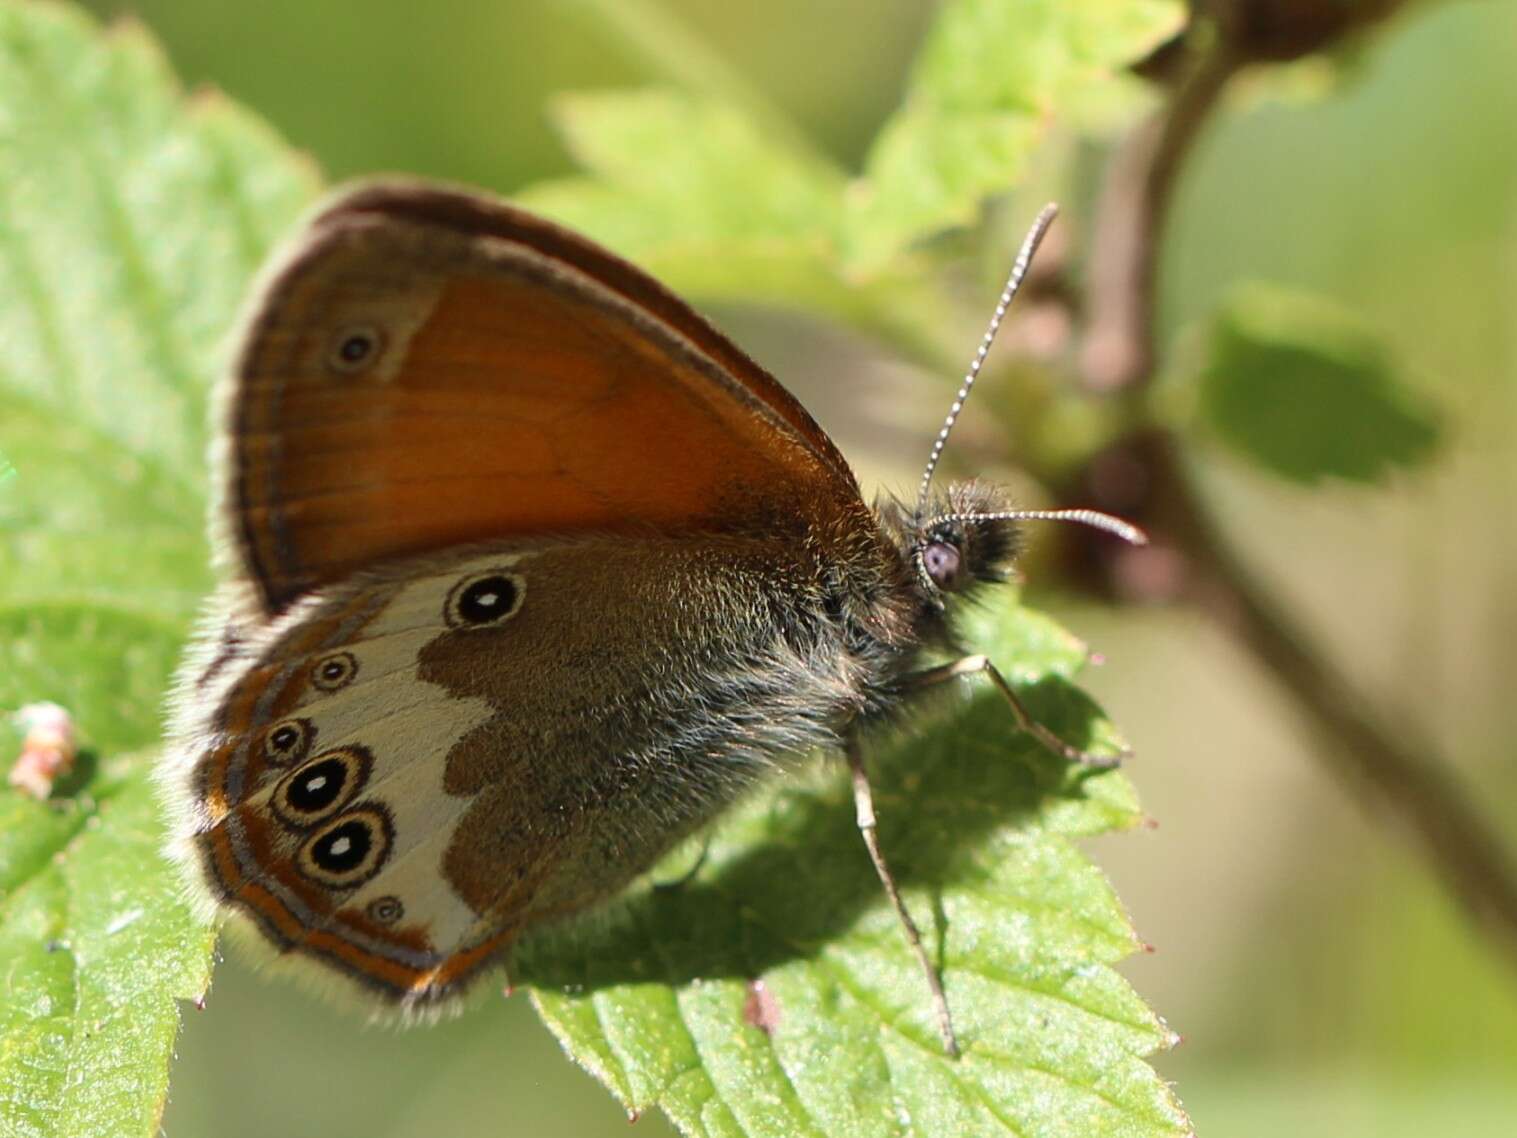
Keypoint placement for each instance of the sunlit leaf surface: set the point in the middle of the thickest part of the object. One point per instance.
(130, 220)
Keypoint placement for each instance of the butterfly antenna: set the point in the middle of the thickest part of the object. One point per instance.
(1030, 245)
(1094, 518)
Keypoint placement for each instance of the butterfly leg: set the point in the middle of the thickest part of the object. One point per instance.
(975, 665)
(863, 801)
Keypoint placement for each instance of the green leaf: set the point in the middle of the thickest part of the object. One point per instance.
(99, 945)
(108, 665)
(711, 190)
(697, 193)
(989, 82)
(693, 191)
(1304, 390)
(696, 170)
(131, 219)
(660, 1000)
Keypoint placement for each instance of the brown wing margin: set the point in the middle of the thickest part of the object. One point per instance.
(469, 214)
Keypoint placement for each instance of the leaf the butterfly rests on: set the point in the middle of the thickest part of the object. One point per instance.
(130, 221)
(983, 826)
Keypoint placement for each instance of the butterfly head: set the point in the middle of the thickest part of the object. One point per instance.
(971, 535)
(962, 539)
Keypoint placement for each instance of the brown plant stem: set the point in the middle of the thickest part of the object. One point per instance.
(1118, 349)
(1403, 780)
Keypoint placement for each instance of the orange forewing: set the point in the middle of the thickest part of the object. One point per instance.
(526, 382)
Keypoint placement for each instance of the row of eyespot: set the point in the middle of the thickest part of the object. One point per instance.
(349, 849)
(475, 601)
(352, 846)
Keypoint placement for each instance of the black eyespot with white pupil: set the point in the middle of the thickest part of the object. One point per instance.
(349, 849)
(288, 742)
(487, 599)
(354, 349)
(942, 561)
(322, 786)
(317, 786)
(343, 848)
(335, 672)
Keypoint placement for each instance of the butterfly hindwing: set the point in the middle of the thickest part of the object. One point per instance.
(315, 760)
(403, 772)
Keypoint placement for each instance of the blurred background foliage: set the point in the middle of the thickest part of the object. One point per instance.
(1324, 979)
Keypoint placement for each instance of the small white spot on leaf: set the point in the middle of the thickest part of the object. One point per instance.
(125, 920)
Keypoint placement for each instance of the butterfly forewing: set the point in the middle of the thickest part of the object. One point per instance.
(426, 370)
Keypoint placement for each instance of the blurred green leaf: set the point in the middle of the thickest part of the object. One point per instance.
(704, 187)
(130, 221)
(1303, 389)
(773, 993)
(696, 170)
(680, 182)
(108, 664)
(993, 76)
(694, 191)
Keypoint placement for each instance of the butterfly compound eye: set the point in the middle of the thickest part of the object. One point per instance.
(942, 562)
